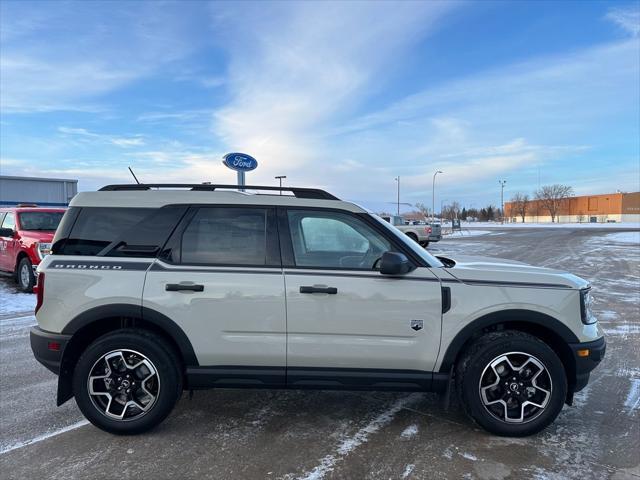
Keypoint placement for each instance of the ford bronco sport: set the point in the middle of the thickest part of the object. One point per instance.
(153, 289)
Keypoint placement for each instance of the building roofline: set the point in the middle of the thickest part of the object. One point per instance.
(38, 179)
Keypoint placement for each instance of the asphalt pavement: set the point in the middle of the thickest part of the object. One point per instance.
(233, 434)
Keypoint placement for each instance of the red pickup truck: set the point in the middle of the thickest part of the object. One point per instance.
(26, 233)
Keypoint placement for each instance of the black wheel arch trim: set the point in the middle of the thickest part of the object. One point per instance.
(513, 316)
(161, 321)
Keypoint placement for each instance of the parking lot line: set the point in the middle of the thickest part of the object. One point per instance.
(349, 444)
(45, 436)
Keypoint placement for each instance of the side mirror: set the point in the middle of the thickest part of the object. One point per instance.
(394, 263)
(6, 232)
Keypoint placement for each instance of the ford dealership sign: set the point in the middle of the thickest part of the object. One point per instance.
(240, 162)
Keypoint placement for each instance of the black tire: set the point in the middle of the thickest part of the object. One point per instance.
(425, 244)
(413, 237)
(162, 358)
(25, 278)
(475, 366)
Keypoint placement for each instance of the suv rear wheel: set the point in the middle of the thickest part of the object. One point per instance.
(24, 275)
(511, 383)
(127, 381)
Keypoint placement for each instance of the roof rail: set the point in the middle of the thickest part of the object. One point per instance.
(314, 193)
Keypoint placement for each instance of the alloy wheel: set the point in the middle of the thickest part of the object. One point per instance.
(515, 387)
(123, 384)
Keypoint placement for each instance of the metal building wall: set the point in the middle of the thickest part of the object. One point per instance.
(43, 191)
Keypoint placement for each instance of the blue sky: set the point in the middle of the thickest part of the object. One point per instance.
(344, 96)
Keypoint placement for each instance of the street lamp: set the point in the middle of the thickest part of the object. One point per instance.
(280, 177)
(502, 183)
(397, 179)
(433, 197)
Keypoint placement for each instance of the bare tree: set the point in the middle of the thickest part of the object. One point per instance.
(551, 197)
(423, 209)
(520, 204)
(451, 210)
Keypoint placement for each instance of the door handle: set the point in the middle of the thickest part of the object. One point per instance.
(175, 287)
(314, 289)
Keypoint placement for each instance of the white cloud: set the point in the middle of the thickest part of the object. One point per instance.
(299, 66)
(627, 18)
(111, 46)
(125, 142)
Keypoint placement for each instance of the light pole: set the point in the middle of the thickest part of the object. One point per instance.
(433, 197)
(397, 179)
(502, 182)
(280, 177)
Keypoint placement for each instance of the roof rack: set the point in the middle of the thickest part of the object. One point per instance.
(314, 193)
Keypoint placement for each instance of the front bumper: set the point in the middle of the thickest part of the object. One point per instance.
(585, 364)
(48, 348)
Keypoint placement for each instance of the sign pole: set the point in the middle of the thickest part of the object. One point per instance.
(241, 182)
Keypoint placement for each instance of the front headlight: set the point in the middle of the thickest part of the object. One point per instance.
(586, 304)
(44, 249)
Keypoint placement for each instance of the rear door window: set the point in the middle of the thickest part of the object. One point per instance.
(226, 236)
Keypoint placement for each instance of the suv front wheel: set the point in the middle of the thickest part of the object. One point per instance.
(511, 383)
(127, 381)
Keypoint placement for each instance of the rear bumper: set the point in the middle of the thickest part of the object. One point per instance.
(48, 348)
(584, 365)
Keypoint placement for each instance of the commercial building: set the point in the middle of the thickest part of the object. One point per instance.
(45, 192)
(611, 207)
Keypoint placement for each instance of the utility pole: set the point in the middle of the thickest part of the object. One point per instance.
(502, 182)
(397, 179)
(280, 177)
(433, 197)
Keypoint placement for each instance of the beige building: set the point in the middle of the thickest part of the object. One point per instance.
(612, 207)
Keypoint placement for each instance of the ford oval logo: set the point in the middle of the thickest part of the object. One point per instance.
(240, 162)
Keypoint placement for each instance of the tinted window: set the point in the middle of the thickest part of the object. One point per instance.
(231, 236)
(334, 240)
(46, 221)
(9, 221)
(119, 232)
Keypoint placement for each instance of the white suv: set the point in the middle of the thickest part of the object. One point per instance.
(153, 289)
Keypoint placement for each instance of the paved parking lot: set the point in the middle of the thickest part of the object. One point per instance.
(323, 434)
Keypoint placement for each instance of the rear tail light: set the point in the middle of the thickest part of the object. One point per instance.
(427, 229)
(39, 291)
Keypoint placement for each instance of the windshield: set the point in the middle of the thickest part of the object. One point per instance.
(45, 221)
(426, 256)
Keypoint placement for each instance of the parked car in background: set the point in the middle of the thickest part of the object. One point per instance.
(423, 233)
(26, 232)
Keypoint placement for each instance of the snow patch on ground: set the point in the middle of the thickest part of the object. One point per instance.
(408, 470)
(624, 329)
(349, 444)
(410, 431)
(13, 302)
(607, 315)
(45, 436)
(466, 233)
(633, 397)
(632, 238)
(469, 456)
